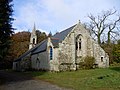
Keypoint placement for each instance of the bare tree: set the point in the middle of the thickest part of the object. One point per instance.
(98, 24)
(111, 27)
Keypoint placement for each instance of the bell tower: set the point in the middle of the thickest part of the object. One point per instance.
(33, 38)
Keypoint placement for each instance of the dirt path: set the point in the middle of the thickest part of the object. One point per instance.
(20, 82)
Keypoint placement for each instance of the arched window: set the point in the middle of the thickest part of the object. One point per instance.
(38, 63)
(76, 45)
(33, 40)
(102, 59)
(51, 53)
(78, 42)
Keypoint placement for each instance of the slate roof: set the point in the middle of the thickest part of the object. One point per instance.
(61, 36)
(32, 50)
(42, 47)
(56, 39)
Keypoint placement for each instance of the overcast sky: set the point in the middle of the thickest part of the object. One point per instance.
(56, 15)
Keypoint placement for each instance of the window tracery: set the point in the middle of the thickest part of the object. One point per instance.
(79, 42)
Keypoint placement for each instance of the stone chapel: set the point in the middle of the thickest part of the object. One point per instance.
(61, 51)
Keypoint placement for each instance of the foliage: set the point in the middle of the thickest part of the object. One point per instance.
(109, 50)
(40, 36)
(6, 29)
(118, 41)
(113, 51)
(94, 79)
(88, 62)
(116, 53)
(20, 44)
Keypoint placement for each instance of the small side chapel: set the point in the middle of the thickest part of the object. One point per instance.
(61, 51)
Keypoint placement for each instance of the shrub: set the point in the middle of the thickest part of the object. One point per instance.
(88, 62)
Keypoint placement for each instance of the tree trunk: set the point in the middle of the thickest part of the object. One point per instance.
(99, 41)
(108, 41)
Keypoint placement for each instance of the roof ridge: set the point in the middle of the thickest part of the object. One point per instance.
(58, 36)
(61, 35)
(65, 29)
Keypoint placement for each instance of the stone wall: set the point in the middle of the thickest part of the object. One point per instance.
(22, 64)
(69, 56)
(66, 56)
(40, 61)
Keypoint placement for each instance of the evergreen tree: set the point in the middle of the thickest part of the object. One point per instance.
(6, 29)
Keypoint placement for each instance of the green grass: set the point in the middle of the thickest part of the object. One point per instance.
(95, 79)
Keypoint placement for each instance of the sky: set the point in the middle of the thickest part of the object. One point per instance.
(56, 15)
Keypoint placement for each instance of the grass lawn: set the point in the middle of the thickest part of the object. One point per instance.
(95, 79)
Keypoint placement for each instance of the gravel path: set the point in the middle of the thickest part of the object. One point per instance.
(17, 82)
